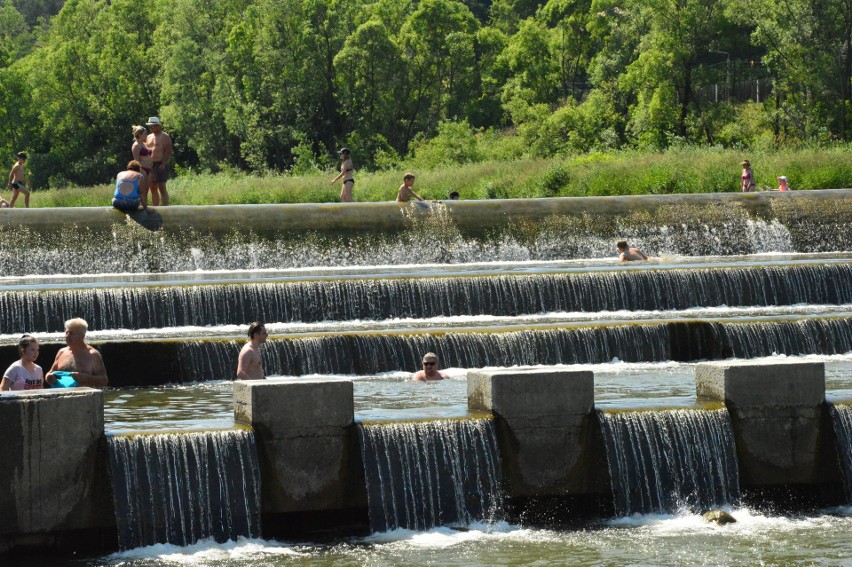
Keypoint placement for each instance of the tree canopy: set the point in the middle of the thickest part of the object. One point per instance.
(278, 85)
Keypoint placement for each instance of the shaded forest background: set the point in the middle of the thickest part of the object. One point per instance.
(276, 85)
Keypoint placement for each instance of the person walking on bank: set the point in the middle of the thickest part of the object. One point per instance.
(18, 180)
(24, 374)
(131, 189)
(250, 363)
(160, 145)
(748, 184)
(346, 172)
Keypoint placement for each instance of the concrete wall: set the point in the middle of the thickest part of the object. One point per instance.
(546, 427)
(307, 444)
(777, 411)
(52, 472)
(388, 216)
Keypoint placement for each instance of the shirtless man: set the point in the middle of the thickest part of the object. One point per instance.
(346, 169)
(18, 181)
(405, 192)
(82, 361)
(430, 369)
(160, 145)
(249, 364)
(627, 253)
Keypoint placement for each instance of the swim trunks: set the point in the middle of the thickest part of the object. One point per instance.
(160, 176)
(126, 205)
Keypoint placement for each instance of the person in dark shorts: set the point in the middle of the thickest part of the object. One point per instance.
(160, 145)
(18, 180)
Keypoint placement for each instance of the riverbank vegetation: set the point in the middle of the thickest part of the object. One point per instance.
(271, 88)
(686, 170)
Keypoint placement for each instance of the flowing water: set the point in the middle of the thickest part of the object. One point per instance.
(722, 284)
(180, 488)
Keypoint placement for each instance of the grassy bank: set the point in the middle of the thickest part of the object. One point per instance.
(698, 170)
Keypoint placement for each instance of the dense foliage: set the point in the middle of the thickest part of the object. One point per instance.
(276, 85)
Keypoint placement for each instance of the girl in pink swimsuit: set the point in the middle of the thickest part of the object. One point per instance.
(748, 184)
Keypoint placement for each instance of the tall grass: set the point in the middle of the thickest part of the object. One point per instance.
(685, 170)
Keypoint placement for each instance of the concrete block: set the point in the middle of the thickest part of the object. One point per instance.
(49, 461)
(777, 416)
(757, 383)
(307, 442)
(528, 393)
(543, 421)
(286, 404)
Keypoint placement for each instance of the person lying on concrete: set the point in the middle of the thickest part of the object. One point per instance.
(24, 374)
(431, 369)
(250, 363)
(78, 360)
(628, 254)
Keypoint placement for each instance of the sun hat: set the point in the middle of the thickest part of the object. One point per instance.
(745, 162)
(343, 151)
(782, 178)
(154, 120)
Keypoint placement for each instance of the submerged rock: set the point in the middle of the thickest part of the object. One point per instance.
(718, 516)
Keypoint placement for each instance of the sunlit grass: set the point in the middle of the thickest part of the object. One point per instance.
(690, 170)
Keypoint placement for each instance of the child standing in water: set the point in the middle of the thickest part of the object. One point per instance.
(18, 181)
(24, 374)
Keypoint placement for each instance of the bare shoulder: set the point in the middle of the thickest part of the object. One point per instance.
(419, 376)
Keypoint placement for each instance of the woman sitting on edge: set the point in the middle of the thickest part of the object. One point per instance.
(131, 189)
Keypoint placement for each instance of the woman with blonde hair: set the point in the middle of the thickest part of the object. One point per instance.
(140, 150)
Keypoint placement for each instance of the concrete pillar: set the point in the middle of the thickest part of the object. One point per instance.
(51, 476)
(776, 412)
(545, 429)
(307, 444)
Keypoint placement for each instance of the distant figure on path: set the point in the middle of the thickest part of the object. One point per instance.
(346, 173)
(18, 180)
(782, 184)
(81, 361)
(131, 188)
(24, 374)
(628, 254)
(430, 369)
(250, 364)
(140, 150)
(748, 185)
(405, 192)
(160, 145)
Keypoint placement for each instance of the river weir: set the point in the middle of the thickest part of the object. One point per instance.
(582, 392)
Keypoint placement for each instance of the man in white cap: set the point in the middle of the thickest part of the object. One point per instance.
(160, 145)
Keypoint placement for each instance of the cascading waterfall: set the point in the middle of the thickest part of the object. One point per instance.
(368, 354)
(663, 461)
(180, 488)
(426, 474)
(675, 289)
(842, 417)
